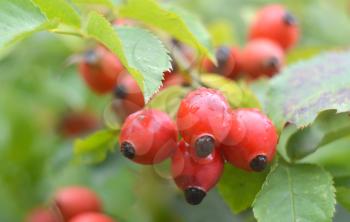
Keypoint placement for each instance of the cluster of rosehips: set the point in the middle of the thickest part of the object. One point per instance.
(103, 73)
(71, 204)
(211, 133)
(273, 32)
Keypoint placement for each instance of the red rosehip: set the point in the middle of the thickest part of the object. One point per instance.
(195, 176)
(100, 69)
(258, 146)
(173, 79)
(148, 137)
(129, 96)
(274, 22)
(262, 57)
(225, 62)
(72, 201)
(237, 130)
(203, 120)
(41, 215)
(237, 68)
(77, 123)
(92, 217)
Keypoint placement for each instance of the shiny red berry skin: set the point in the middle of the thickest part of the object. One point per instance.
(195, 176)
(237, 130)
(129, 97)
(41, 215)
(274, 22)
(92, 217)
(258, 146)
(262, 57)
(204, 119)
(75, 200)
(100, 70)
(148, 137)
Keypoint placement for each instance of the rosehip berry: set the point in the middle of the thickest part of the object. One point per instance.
(237, 68)
(274, 22)
(72, 201)
(262, 57)
(100, 69)
(195, 176)
(173, 79)
(41, 215)
(258, 146)
(129, 96)
(77, 123)
(203, 120)
(148, 137)
(92, 217)
(225, 62)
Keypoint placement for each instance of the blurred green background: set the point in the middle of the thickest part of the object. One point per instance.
(37, 87)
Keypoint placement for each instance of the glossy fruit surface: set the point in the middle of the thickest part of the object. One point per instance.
(204, 119)
(72, 201)
(148, 137)
(258, 146)
(92, 217)
(274, 22)
(262, 57)
(195, 176)
(100, 70)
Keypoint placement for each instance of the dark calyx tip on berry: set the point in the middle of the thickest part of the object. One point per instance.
(222, 55)
(289, 19)
(91, 57)
(128, 150)
(204, 146)
(259, 163)
(120, 92)
(273, 63)
(194, 195)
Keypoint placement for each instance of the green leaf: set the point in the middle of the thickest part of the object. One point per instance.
(305, 89)
(343, 197)
(60, 10)
(175, 21)
(94, 148)
(238, 188)
(304, 53)
(168, 100)
(327, 128)
(145, 53)
(334, 157)
(286, 133)
(107, 3)
(20, 18)
(237, 95)
(141, 52)
(296, 193)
